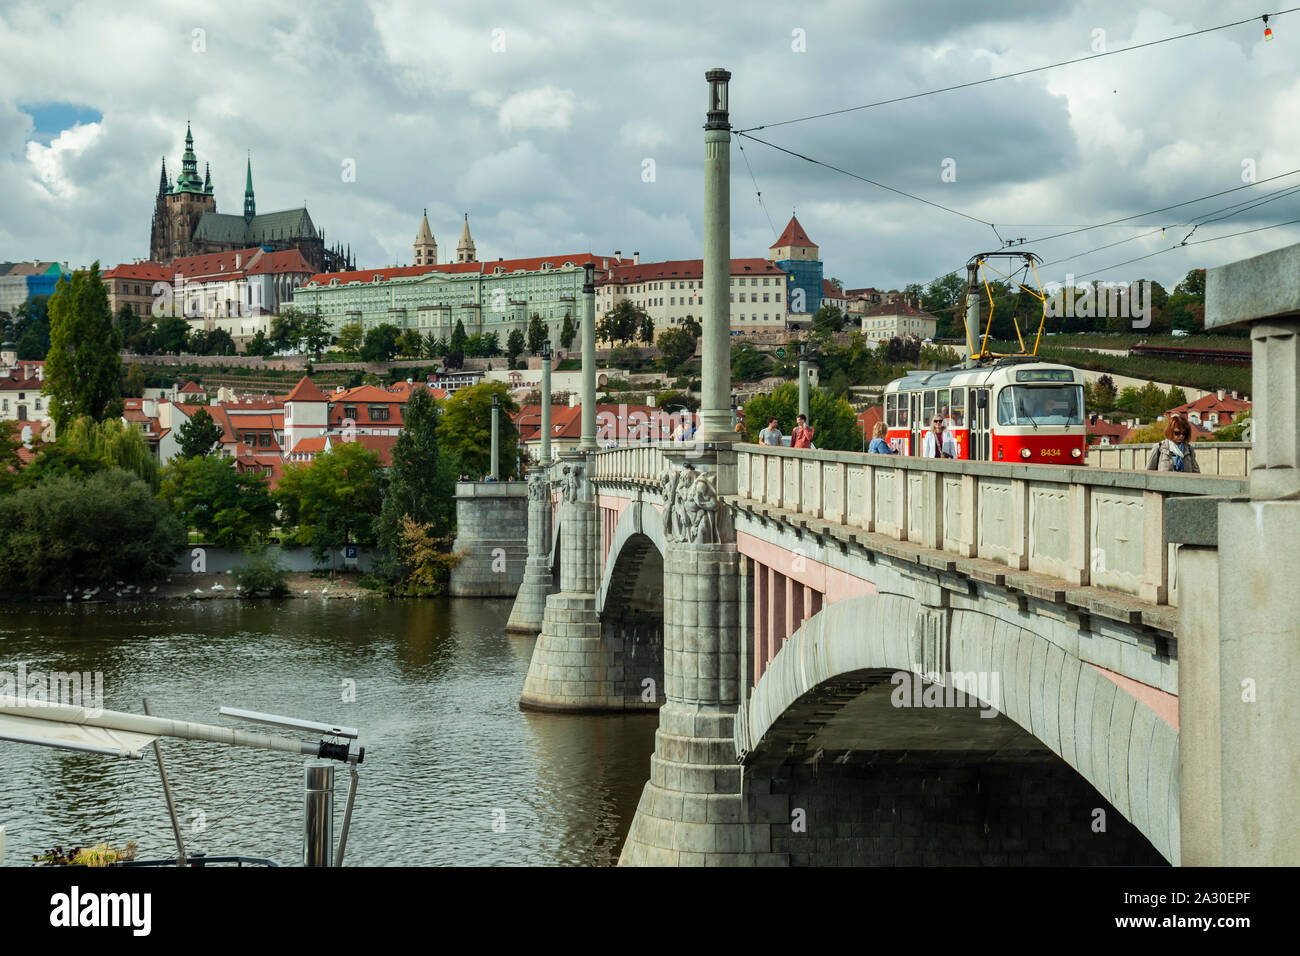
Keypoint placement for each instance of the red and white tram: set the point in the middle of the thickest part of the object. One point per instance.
(1018, 409)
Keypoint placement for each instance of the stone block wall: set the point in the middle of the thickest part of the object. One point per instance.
(491, 537)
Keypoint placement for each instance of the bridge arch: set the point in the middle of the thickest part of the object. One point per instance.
(630, 602)
(813, 696)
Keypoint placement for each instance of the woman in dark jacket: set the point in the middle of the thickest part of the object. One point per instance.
(1175, 453)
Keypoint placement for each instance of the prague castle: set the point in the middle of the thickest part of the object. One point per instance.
(186, 221)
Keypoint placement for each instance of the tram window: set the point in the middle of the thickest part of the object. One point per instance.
(927, 407)
(1040, 405)
(944, 409)
(904, 408)
(958, 411)
(891, 411)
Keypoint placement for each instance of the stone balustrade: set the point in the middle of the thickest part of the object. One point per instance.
(636, 463)
(1085, 526)
(1227, 459)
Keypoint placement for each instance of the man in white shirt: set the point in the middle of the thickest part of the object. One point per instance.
(938, 442)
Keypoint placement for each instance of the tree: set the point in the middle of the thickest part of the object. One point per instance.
(216, 342)
(748, 364)
(421, 486)
(83, 368)
(692, 327)
(169, 335)
(350, 338)
(676, 346)
(259, 344)
(621, 323)
(410, 344)
(128, 323)
(287, 329)
(434, 346)
(10, 463)
(514, 345)
(536, 334)
(315, 333)
(30, 328)
(199, 436)
(647, 330)
(834, 422)
(113, 443)
(134, 382)
(95, 530)
(567, 332)
(380, 344)
(828, 320)
(466, 430)
(455, 356)
(226, 507)
(333, 500)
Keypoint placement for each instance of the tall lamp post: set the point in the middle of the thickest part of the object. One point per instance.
(715, 377)
(546, 402)
(496, 414)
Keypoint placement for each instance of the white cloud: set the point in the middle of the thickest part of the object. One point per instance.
(543, 108)
(49, 162)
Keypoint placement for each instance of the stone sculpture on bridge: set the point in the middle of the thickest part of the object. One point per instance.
(539, 488)
(571, 483)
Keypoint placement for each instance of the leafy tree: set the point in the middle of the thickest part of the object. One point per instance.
(646, 333)
(83, 368)
(287, 329)
(434, 346)
(226, 507)
(93, 530)
(421, 485)
(834, 422)
(128, 323)
(621, 323)
(466, 430)
(30, 328)
(111, 442)
(10, 463)
(350, 338)
(748, 364)
(332, 500)
(259, 344)
(380, 343)
(676, 347)
(514, 345)
(315, 333)
(428, 560)
(828, 320)
(692, 327)
(199, 436)
(455, 356)
(410, 344)
(567, 332)
(215, 342)
(536, 334)
(261, 573)
(133, 384)
(169, 335)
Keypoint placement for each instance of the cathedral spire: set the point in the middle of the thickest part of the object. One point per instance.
(163, 185)
(465, 251)
(188, 181)
(250, 207)
(207, 179)
(426, 247)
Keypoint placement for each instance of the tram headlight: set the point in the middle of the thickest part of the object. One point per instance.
(1024, 453)
(1075, 453)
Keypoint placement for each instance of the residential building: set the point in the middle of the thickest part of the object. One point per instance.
(670, 291)
(1212, 411)
(897, 319)
(20, 394)
(132, 285)
(798, 256)
(834, 295)
(1102, 432)
(621, 424)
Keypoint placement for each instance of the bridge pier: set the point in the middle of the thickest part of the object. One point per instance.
(489, 521)
(692, 811)
(530, 603)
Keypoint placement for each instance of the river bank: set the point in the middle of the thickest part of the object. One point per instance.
(212, 586)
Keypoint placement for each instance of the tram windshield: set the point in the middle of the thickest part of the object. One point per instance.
(1041, 405)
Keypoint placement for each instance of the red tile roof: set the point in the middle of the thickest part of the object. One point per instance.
(613, 422)
(533, 264)
(900, 307)
(829, 290)
(1212, 404)
(794, 235)
(306, 391)
(684, 269)
(149, 271)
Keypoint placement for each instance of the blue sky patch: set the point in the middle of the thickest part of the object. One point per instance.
(51, 119)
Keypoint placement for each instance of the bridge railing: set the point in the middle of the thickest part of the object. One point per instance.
(641, 461)
(1086, 526)
(1227, 459)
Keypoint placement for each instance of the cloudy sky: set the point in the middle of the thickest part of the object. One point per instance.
(563, 128)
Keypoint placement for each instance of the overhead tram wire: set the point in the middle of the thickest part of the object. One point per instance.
(1181, 245)
(1026, 72)
(758, 192)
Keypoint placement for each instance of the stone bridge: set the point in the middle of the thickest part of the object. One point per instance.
(866, 659)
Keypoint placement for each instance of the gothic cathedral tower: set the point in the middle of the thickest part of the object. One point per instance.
(178, 208)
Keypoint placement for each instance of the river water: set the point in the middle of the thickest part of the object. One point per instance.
(454, 772)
